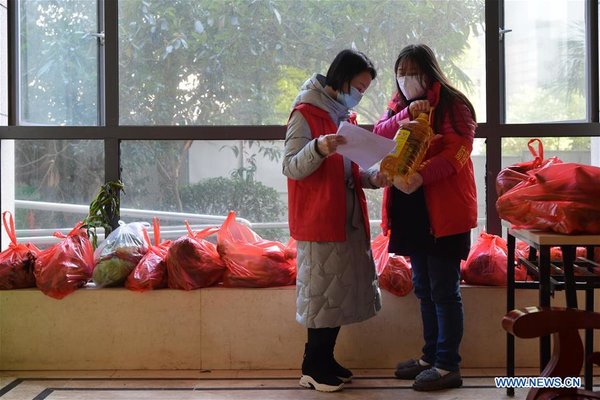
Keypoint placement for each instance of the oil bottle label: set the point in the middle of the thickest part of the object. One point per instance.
(401, 138)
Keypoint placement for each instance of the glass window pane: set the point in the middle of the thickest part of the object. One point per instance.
(479, 168)
(545, 60)
(58, 62)
(467, 72)
(582, 150)
(200, 181)
(374, 204)
(54, 182)
(205, 62)
(3, 66)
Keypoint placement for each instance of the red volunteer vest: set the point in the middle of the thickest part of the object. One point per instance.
(317, 203)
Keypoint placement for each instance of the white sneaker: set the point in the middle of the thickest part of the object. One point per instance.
(329, 384)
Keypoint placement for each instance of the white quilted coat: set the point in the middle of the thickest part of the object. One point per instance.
(336, 281)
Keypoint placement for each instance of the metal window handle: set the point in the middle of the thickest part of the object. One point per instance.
(502, 31)
(97, 35)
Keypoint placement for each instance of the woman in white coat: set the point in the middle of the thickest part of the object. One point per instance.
(336, 282)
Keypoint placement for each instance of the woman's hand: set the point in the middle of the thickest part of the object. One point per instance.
(409, 185)
(379, 179)
(417, 107)
(327, 144)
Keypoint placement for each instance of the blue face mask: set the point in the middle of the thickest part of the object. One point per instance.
(351, 99)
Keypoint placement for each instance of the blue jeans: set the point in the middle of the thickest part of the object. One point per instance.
(436, 282)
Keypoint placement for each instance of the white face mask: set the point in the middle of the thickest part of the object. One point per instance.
(411, 87)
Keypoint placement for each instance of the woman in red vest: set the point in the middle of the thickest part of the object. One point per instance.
(429, 218)
(336, 281)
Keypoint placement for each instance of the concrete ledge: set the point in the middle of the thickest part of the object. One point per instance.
(220, 328)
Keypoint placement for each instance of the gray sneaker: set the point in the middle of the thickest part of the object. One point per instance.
(409, 369)
(431, 379)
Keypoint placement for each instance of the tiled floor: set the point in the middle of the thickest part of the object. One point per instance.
(230, 385)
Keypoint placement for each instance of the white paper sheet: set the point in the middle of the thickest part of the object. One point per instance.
(363, 147)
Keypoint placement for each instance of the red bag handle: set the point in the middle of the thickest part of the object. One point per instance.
(74, 231)
(538, 156)
(189, 228)
(146, 237)
(156, 228)
(156, 225)
(206, 232)
(9, 226)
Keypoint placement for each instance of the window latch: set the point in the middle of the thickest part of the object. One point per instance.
(97, 35)
(502, 31)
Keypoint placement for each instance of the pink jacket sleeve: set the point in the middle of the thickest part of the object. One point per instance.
(388, 127)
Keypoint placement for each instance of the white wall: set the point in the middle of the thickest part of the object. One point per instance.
(209, 159)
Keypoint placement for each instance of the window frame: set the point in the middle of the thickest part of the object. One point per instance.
(109, 130)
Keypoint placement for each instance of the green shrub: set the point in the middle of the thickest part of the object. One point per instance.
(250, 199)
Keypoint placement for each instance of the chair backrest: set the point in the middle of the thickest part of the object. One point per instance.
(531, 322)
(567, 357)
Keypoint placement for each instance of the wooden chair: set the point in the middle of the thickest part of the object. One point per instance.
(567, 356)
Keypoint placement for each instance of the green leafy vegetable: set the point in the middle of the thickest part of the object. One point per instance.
(103, 210)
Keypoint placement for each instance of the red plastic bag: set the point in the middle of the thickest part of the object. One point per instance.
(396, 278)
(65, 266)
(556, 253)
(291, 249)
(521, 250)
(17, 261)
(394, 272)
(252, 261)
(487, 262)
(151, 272)
(559, 197)
(514, 174)
(379, 248)
(193, 262)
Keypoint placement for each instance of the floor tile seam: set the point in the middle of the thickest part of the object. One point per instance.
(10, 386)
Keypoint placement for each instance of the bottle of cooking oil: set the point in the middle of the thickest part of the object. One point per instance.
(412, 141)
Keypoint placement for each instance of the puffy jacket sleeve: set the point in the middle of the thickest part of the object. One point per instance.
(300, 153)
(451, 147)
(388, 126)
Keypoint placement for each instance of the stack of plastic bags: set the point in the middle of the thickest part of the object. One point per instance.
(550, 195)
(127, 257)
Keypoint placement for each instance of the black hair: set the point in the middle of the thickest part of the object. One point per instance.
(423, 57)
(345, 66)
